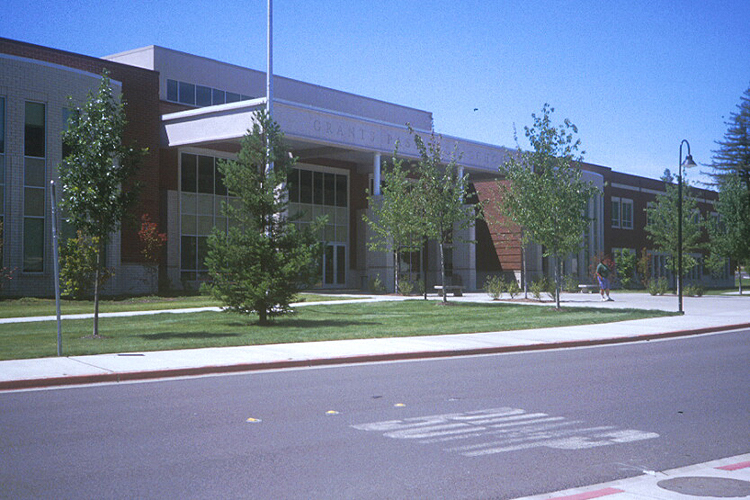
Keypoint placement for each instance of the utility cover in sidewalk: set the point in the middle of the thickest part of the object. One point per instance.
(707, 486)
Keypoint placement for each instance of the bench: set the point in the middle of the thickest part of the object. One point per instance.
(588, 288)
(456, 290)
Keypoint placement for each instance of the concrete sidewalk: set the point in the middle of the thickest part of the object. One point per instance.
(724, 478)
(703, 315)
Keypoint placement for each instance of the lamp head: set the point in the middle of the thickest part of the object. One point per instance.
(689, 162)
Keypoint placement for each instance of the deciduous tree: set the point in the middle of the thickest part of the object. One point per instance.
(442, 193)
(662, 223)
(545, 193)
(730, 232)
(396, 217)
(96, 174)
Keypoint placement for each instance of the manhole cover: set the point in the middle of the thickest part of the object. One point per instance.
(707, 486)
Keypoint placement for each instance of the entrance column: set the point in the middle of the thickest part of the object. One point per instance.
(376, 179)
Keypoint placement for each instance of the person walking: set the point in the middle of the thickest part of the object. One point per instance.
(603, 271)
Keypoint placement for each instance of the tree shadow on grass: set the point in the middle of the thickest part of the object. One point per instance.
(187, 335)
(291, 323)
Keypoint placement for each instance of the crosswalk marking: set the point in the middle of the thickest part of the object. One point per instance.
(500, 430)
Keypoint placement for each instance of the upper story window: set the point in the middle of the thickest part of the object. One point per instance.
(616, 212)
(34, 132)
(622, 213)
(200, 95)
(626, 218)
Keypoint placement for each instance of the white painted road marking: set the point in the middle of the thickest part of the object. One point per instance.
(500, 430)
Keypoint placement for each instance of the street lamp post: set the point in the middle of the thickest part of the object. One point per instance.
(687, 163)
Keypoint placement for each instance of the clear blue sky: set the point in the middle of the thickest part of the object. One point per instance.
(636, 76)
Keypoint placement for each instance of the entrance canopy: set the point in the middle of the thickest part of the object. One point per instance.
(320, 132)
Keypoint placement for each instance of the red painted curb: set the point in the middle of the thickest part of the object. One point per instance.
(590, 494)
(363, 358)
(741, 465)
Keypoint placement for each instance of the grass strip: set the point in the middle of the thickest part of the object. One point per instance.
(30, 306)
(308, 324)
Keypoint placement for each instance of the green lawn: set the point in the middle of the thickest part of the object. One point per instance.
(309, 324)
(26, 307)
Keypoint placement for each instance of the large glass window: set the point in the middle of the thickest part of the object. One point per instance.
(218, 97)
(2, 125)
(314, 193)
(187, 93)
(34, 139)
(2, 175)
(202, 96)
(34, 186)
(172, 91)
(202, 192)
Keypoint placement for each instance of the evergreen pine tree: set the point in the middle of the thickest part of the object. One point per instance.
(733, 155)
(264, 258)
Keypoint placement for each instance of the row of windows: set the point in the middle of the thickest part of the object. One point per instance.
(622, 213)
(199, 95)
(318, 188)
(200, 174)
(311, 194)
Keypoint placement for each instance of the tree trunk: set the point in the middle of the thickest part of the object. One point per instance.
(424, 267)
(558, 266)
(523, 272)
(263, 315)
(442, 273)
(97, 278)
(395, 271)
(739, 274)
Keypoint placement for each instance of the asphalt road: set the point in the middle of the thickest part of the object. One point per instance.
(498, 426)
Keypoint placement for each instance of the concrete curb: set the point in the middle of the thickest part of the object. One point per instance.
(360, 358)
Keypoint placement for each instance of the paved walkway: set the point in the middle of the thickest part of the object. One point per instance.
(702, 315)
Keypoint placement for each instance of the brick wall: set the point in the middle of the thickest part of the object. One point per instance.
(498, 239)
(140, 88)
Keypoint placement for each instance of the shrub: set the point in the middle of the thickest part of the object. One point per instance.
(405, 287)
(542, 285)
(626, 262)
(376, 285)
(694, 291)
(643, 265)
(658, 286)
(152, 242)
(513, 288)
(6, 274)
(570, 283)
(494, 286)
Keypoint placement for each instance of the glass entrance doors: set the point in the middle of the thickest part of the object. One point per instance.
(334, 265)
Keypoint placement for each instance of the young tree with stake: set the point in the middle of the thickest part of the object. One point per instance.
(96, 174)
